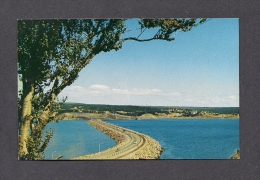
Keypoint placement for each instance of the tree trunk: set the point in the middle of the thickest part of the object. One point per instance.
(24, 126)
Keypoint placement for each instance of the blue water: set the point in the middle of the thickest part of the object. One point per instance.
(181, 139)
(190, 139)
(75, 138)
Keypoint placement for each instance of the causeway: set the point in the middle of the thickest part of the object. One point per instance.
(129, 144)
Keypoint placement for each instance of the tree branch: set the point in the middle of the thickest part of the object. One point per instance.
(142, 31)
(145, 40)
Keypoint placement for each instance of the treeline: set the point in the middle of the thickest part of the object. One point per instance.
(119, 109)
(130, 110)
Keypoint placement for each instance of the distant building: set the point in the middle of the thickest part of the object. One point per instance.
(194, 112)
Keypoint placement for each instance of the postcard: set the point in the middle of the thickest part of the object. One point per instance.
(131, 89)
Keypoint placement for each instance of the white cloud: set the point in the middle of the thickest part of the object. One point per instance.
(136, 91)
(232, 97)
(120, 91)
(174, 94)
(215, 101)
(202, 102)
(104, 94)
(99, 87)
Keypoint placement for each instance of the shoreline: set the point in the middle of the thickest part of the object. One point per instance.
(237, 155)
(129, 144)
(92, 116)
(105, 119)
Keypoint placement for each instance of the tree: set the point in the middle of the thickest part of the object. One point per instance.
(51, 53)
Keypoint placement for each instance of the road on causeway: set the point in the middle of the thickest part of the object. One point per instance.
(130, 144)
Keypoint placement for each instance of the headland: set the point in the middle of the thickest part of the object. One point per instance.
(76, 111)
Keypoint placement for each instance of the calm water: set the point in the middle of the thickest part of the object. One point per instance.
(75, 138)
(181, 139)
(190, 139)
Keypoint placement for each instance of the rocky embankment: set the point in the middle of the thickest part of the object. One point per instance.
(237, 155)
(129, 144)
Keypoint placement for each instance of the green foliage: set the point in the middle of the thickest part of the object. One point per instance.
(51, 53)
(169, 26)
(36, 146)
(139, 110)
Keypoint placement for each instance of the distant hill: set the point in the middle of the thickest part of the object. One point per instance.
(130, 110)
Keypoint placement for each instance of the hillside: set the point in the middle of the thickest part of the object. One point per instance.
(95, 111)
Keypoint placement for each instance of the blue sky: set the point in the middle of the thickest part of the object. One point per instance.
(198, 68)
